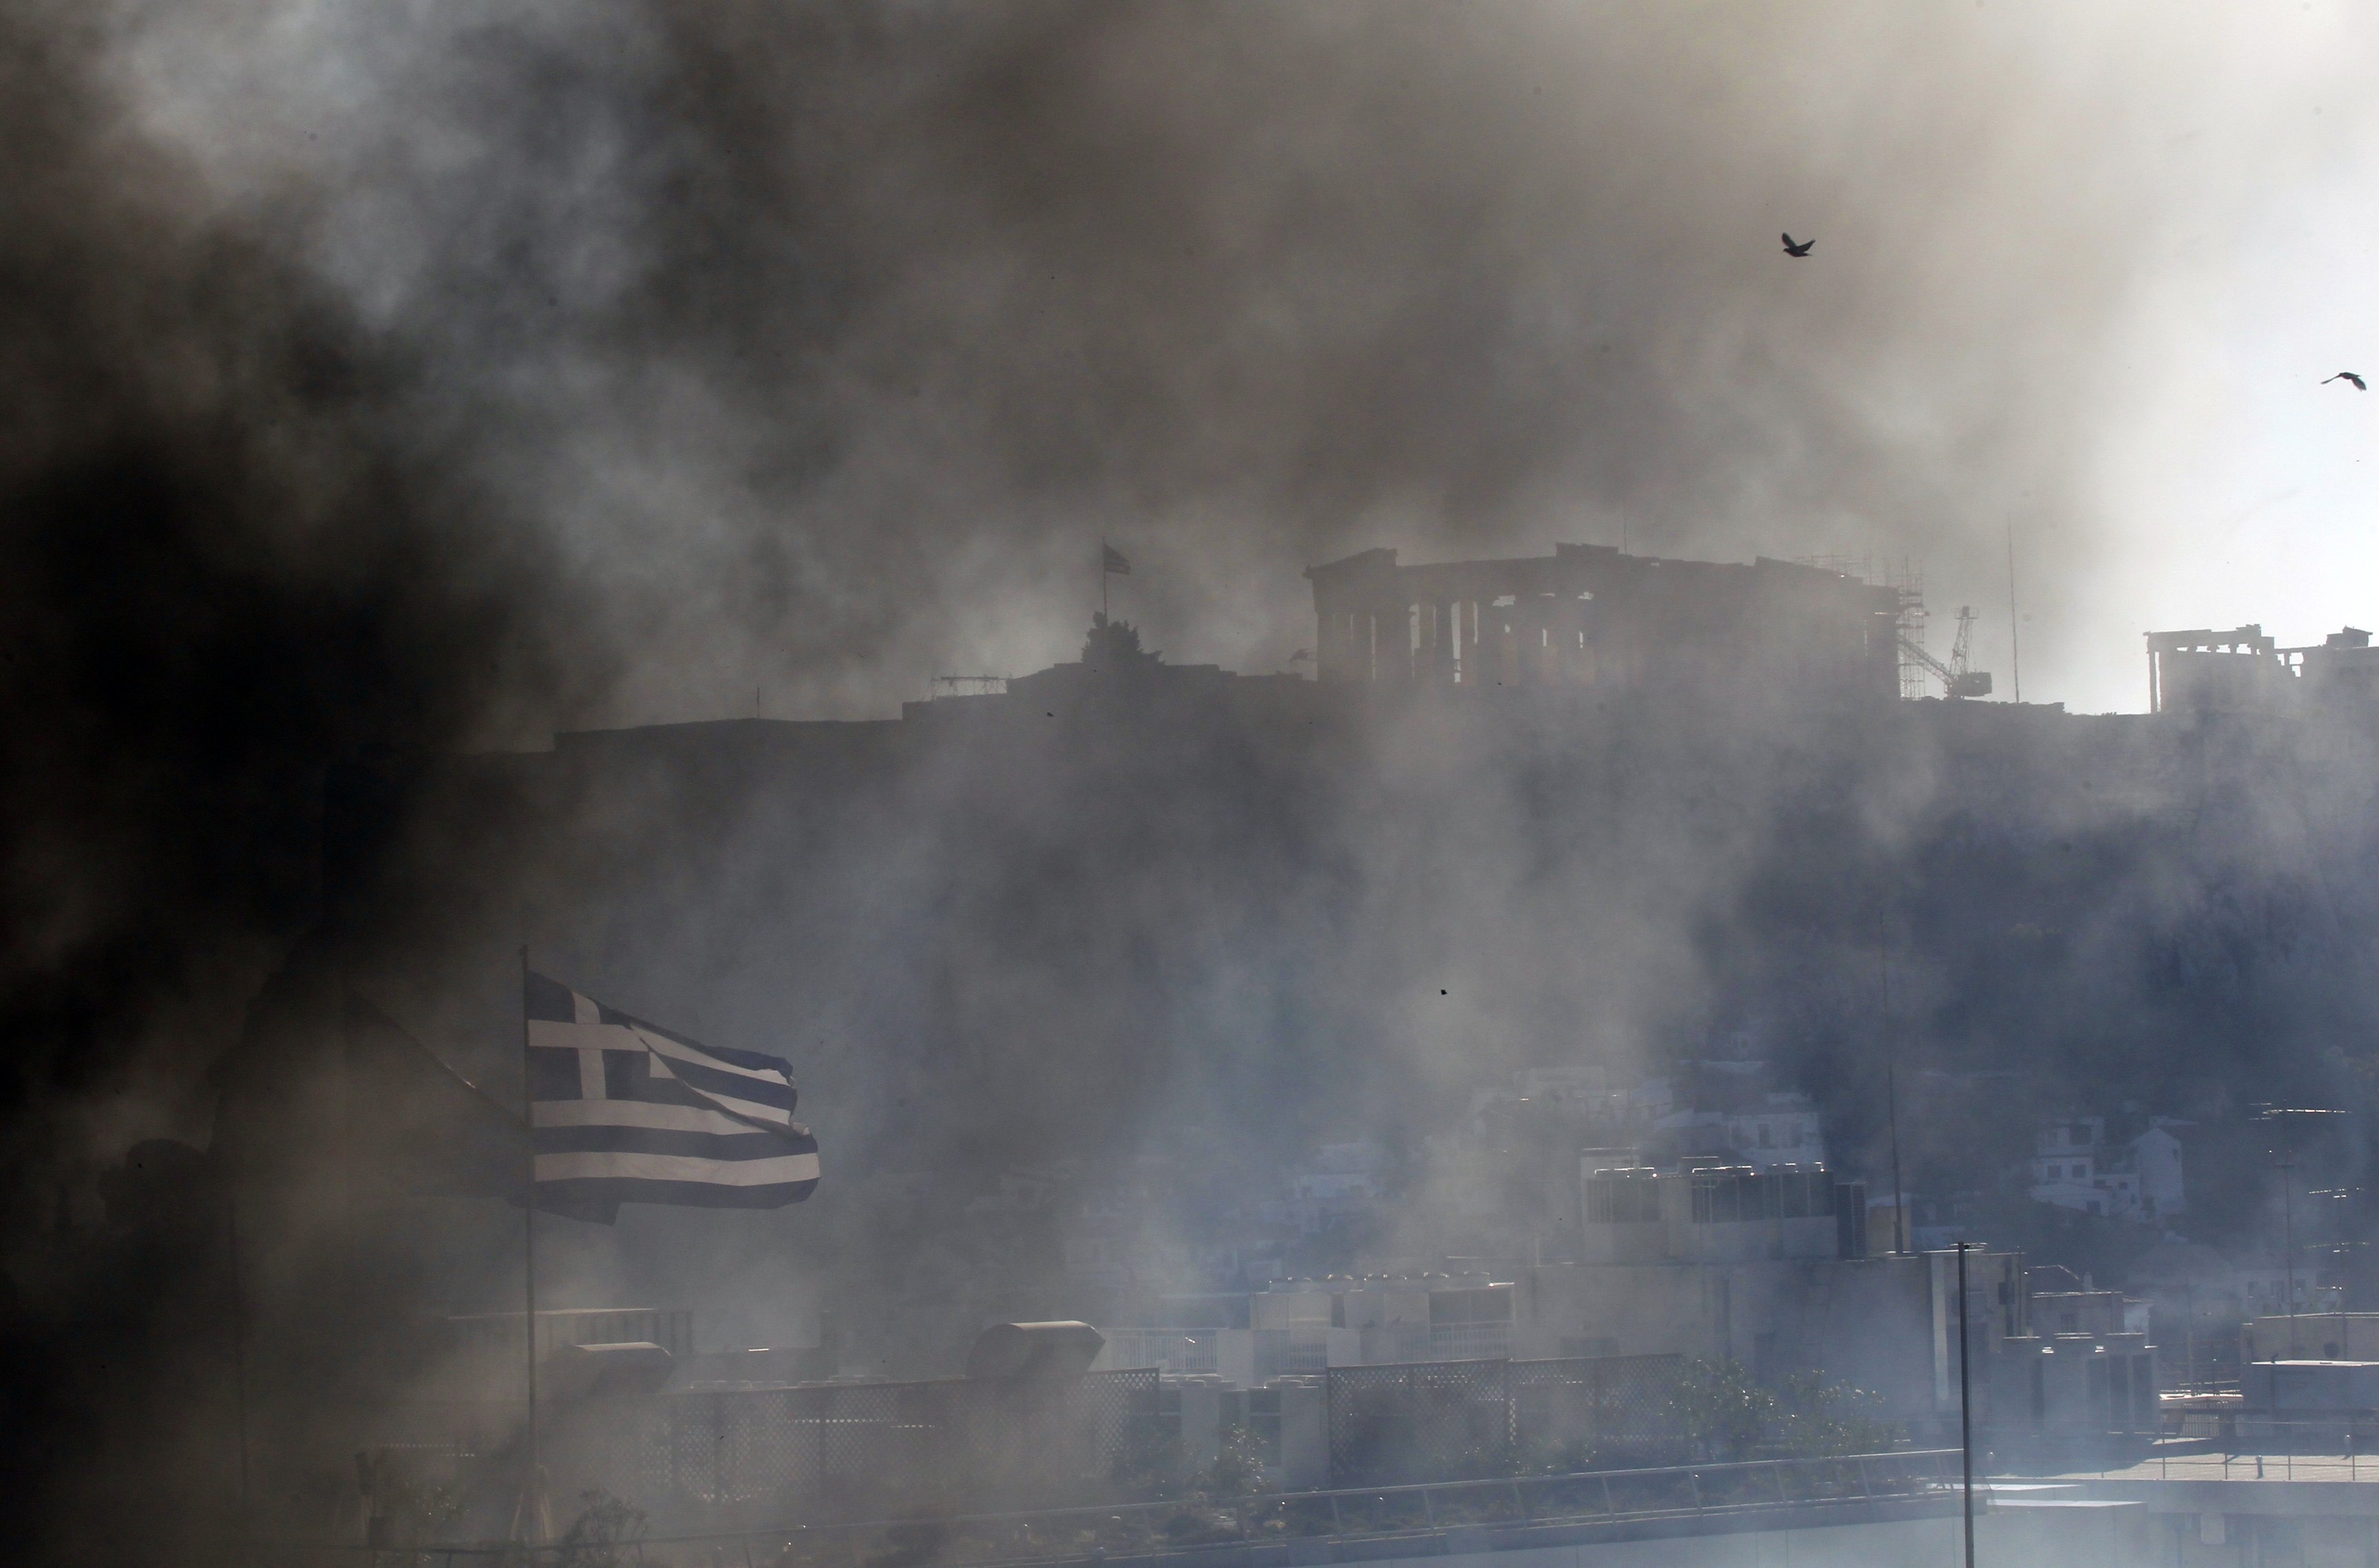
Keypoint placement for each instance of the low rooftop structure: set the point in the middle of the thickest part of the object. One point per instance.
(1636, 1214)
(2312, 1336)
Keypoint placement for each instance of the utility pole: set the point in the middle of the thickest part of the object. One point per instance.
(1899, 1193)
(1966, 1406)
(1892, 1101)
(2286, 1166)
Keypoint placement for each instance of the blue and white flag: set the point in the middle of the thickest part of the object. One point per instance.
(624, 1111)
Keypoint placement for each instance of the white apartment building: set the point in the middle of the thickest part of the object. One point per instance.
(2074, 1168)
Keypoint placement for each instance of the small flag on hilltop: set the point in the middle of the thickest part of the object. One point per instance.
(1113, 561)
(622, 1111)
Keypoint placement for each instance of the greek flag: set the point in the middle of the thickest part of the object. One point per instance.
(622, 1111)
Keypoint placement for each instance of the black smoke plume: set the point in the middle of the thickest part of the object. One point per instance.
(381, 384)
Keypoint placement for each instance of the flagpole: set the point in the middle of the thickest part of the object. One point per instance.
(529, 1256)
(239, 1355)
(1102, 582)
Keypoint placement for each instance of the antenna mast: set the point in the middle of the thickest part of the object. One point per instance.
(2015, 646)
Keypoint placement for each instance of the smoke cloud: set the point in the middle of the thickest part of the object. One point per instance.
(827, 344)
(383, 383)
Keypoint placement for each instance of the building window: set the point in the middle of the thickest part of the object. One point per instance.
(1723, 1195)
(1623, 1196)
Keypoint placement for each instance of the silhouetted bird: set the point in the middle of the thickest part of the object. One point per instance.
(1800, 249)
(2360, 385)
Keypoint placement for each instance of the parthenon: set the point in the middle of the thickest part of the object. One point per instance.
(1591, 615)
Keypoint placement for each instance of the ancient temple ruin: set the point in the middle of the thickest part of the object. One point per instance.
(1592, 615)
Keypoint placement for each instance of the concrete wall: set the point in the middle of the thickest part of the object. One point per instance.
(2312, 1337)
(1870, 1321)
(2065, 1533)
(2244, 1524)
(2097, 1538)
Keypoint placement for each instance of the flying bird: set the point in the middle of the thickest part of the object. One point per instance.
(2360, 384)
(1801, 249)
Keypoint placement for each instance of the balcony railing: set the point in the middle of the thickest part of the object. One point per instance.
(1170, 1350)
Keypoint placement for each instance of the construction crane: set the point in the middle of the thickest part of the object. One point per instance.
(1957, 680)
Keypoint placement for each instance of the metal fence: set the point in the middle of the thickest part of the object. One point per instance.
(848, 1448)
(842, 1450)
(1431, 1420)
(1527, 1510)
(1420, 1421)
(1620, 1409)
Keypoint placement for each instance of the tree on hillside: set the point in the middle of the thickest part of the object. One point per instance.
(1728, 1415)
(1114, 646)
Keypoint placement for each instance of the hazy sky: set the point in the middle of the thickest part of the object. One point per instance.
(828, 341)
(2233, 487)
